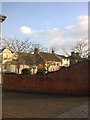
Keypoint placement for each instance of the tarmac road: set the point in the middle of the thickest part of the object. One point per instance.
(28, 105)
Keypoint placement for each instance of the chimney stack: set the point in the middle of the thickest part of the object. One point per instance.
(73, 54)
(77, 53)
(36, 50)
(52, 51)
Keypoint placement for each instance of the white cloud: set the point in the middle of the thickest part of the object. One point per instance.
(54, 37)
(80, 29)
(26, 30)
(59, 39)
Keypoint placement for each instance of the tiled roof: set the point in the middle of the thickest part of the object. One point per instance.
(31, 59)
(28, 58)
(62, 57)
(24, 58)
(49, 56)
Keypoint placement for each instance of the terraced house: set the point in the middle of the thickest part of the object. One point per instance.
(5, 56)
(38, 61)
(47, 61)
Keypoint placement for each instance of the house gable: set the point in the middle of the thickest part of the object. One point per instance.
(65, 60)
(6, 55)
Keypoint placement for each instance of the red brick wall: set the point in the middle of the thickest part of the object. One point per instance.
(71, 80)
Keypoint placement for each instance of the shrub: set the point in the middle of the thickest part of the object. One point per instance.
(41, 72)
(63, 67)
(10, 73)
(25, 71)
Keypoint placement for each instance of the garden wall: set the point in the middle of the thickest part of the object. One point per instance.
(72, 80)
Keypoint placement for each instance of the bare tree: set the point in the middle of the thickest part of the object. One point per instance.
(22, 46)
(66, 53)
(18, 47)
(53, 49)
(82, 48)
(2, 41)
(38, 46)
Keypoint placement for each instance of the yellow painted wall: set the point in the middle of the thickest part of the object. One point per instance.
(65, 62)
(52, 66)
(7, 55)
(13, 68)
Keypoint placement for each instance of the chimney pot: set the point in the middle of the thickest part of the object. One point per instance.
(36, 50)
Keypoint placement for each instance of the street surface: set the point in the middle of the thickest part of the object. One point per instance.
(28, 105)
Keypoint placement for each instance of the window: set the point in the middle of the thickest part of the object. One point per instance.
(4, 66)
(54, 64)
(57, 64)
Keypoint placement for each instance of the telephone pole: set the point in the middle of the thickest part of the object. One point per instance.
(2, 18)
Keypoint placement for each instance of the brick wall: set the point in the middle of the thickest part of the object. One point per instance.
(73, 80)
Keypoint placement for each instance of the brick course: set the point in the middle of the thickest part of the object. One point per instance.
(72, 80)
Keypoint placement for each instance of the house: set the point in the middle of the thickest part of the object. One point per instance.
(65, 60)
(5, 55)
(25, 60)
(38, 61)
(10, 63)
(75, 57)
(47, 61)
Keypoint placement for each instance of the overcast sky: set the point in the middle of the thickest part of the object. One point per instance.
(57, 24)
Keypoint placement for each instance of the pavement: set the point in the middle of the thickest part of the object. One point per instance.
(77, 112)
(28, 105)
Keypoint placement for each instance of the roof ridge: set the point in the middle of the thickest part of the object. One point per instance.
(54, 57)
